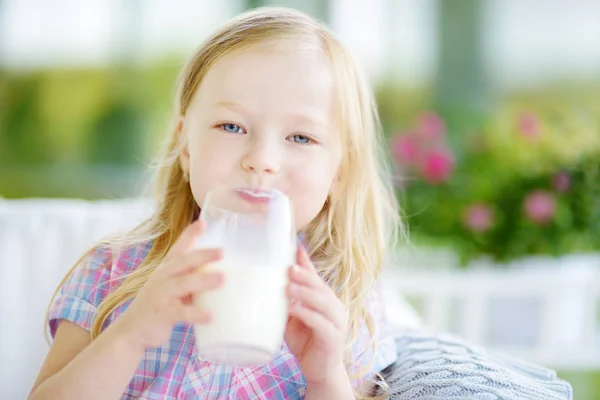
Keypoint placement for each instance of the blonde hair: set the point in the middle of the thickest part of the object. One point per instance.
(349, 238)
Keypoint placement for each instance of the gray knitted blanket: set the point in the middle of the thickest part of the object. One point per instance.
(443, 367)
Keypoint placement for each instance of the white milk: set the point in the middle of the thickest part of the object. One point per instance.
(249, 315)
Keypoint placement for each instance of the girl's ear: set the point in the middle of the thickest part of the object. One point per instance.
(184, 154)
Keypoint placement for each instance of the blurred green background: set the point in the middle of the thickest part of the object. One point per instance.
(491, 110)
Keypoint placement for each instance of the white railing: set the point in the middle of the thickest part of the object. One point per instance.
(546, 313)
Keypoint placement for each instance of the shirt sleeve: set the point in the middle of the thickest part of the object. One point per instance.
(82, 291)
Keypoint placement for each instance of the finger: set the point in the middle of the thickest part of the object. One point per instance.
(187, 238)
(315, 321)
(193, 314)
(318, 301)
(303, 259)
(193, 260)
(183, 286)
(306, 277)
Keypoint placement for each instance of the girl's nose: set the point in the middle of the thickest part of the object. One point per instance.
(261, 158)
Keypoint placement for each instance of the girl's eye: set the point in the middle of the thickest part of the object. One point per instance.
(301, 139)
(232, 128)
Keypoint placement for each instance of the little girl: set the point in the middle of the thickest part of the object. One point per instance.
(272, 101)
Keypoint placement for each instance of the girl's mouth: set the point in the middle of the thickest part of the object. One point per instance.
(256, 195)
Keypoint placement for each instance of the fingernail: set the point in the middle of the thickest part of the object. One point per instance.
(214, 277)
(214, 253)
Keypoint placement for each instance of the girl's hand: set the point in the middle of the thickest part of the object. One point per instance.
(166, 298)
(316, 328)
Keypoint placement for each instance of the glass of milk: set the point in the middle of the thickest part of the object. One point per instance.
(255, 229)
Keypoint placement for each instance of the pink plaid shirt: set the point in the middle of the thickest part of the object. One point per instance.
(174, 370)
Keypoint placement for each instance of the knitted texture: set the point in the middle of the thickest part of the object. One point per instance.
(434, 366)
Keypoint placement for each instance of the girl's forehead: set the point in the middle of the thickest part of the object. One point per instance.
(266, 64)
(270, 79)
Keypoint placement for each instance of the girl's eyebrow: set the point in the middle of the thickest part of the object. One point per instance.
(229, 104)
(303, 119)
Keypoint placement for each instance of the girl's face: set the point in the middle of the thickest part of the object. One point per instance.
(264, 119)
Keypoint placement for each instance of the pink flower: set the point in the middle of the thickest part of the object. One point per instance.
(479, 217)
(437, 166)
(405, 148)
(529, 125)
(540, 207)
(430, 125)
(561, 181)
